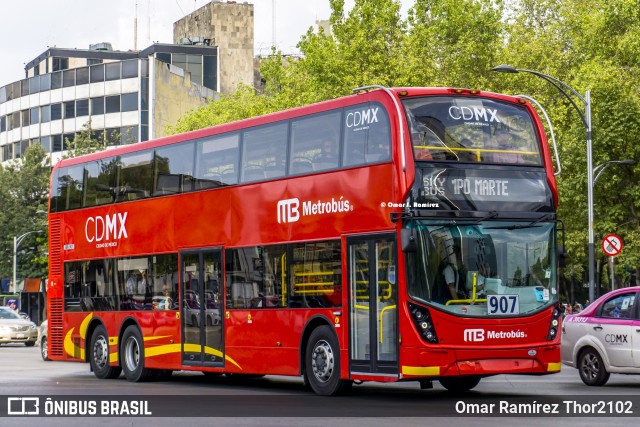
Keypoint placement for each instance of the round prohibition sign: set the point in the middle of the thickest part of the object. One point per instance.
(612, 244)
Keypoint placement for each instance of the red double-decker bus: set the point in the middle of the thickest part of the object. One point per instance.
(403, 234)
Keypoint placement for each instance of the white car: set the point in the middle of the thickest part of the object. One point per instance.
(15, 329)
(603, 338)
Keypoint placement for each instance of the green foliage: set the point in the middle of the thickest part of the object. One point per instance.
(86, 142)
(24, 187)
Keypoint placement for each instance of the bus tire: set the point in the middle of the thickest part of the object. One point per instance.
(132, 356)
(44, 349)
(322, 363)
(100, 354)
(591, 368)
(459, 384)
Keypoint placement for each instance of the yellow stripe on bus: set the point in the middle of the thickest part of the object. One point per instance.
(421, 370)
(553, 367)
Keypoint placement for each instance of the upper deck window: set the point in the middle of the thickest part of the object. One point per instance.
(464, 129)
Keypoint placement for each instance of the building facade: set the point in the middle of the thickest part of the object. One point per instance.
(127, 96)
(230, 27)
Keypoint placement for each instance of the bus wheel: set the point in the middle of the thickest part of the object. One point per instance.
(132, 356)
(44, 349)
(459, 384)
(322, 363)
(591, 368)
(100, 355)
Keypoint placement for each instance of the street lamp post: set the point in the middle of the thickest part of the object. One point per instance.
(586, 121)
(16, 243)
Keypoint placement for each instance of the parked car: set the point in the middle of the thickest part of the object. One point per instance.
(43, 338)
(13, 328)
(603, 339)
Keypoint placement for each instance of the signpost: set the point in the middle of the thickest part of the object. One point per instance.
(612, 246)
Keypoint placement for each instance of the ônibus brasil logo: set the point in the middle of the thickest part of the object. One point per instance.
(289, 209)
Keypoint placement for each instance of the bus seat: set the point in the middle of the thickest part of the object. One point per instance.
(301, 166)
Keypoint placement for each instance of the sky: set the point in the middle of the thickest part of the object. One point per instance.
(30, 27)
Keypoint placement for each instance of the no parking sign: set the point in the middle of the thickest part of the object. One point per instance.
(612, 244)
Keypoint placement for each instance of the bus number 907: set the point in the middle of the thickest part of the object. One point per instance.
(502, 304)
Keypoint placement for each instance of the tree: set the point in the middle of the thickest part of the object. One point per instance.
(24, 188)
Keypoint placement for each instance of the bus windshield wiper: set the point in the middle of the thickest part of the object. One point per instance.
(491, 214)
(532, 224)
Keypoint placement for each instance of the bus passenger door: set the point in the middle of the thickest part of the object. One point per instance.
(201, 307)
(373, 309)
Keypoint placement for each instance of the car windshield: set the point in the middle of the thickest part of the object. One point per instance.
(485, 269)
(8, 314)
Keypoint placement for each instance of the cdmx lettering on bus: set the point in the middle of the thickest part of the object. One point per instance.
(289, 209)
(106, 229)
(477, 114)
(362, 118)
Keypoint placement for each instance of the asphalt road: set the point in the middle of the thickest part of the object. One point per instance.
(193, 399)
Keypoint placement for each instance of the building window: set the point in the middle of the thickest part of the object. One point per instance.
(7, 152)
(97, 73)
(45, 141)
(56, 111)
(112, 104)
(25, 117)
(58, 64)
(82, 107)
(45, 113)
(112, 71)
(24, 91)
(97, 106)
(129, 135)
(34, 114)
(82, 76)
(45, 82)
(57, 143)
(15, 120)
(130, 101)
(68, 78)
(130, 69)
(56, 80)
(69, 109)
(34, 85)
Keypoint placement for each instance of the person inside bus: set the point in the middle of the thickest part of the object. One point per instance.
(503, 141)
(448, 280)
(467, 154)
(328, 151)
(132, 283)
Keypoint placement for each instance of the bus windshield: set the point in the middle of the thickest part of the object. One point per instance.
(495, 268)
(472, 129)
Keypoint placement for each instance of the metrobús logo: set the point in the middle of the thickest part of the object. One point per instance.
(106, 230)
(289, 209)
(478, 335)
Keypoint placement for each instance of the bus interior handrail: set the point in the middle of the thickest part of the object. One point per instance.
(553, 137)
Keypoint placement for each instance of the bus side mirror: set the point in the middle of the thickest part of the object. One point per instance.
(562, 256)
(408, 238)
